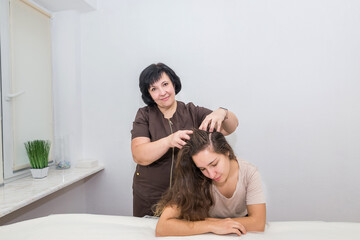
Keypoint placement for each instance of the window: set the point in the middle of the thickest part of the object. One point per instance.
(26, 81)
(1, 160)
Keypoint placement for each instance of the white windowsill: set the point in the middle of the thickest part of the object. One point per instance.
(22, 192)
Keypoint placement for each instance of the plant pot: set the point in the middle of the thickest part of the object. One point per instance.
(39, 172)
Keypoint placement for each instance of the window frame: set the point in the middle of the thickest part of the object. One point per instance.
(7, 138)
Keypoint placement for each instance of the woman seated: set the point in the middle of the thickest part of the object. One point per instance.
(213, 191)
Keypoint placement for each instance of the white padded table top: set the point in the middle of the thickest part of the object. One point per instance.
(103, 227)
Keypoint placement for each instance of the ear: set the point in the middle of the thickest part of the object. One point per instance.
(228, 154)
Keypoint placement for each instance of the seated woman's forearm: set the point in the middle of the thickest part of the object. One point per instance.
(177, 227)
(252, 224)
(169, 224)
(256, 220)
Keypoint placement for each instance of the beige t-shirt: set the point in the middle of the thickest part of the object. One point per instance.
(248, 192)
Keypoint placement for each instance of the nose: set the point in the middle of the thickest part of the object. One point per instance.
(211, 173)
(162, 91)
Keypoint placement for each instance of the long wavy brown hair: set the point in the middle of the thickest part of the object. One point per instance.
(190, 191)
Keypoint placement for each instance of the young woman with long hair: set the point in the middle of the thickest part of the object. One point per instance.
(212, 191)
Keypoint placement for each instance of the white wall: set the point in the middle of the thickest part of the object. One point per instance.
(67, 81)
(288, 69)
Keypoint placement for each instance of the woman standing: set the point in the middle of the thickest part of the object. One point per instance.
(160, 129)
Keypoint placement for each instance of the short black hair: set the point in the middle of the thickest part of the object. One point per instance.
(152, 74)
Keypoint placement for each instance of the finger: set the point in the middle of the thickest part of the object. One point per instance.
(218, 126)
(203, 125)
(179, 146)
(236, 231)
(185, 136)
(242, 229)
(188, 132)
(181, 143)
(212, 126)
(238, 228)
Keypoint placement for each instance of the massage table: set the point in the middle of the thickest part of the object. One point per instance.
(103, 227)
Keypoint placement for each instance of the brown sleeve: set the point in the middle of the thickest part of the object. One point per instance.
(200, 113)
(141, 124)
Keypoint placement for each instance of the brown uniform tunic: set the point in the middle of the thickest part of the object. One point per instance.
(151, 181)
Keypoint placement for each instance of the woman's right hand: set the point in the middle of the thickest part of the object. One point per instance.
(226, 226)
(177, 139)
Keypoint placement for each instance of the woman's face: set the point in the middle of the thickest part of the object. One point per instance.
(163, 92)
(213, 165)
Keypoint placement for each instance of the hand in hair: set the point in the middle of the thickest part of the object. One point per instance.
(213, 121)
(177, 139)
(216, 121)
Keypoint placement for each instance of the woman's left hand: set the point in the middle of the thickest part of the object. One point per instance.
(213, 120)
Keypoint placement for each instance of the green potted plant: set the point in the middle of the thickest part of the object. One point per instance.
(38, 153)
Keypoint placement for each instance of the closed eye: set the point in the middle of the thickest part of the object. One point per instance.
(214, 165)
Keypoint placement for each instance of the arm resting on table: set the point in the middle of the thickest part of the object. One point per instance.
(256, 220)
(170, 225)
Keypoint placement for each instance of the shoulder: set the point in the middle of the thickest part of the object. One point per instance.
(245, 164)
(182, 105)
(246, 169)
(185, 107)
(144, 118)
(145, 111)
(190, 106)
